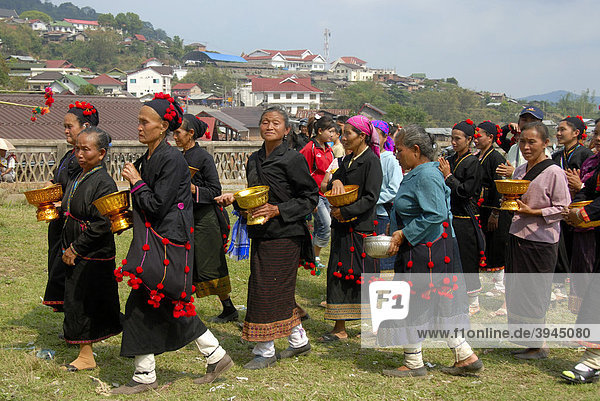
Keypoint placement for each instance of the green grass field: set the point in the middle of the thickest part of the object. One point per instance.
(342, 371)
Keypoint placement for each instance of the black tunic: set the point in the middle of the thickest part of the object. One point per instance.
(347, 254)
(276, 245)
(162, 198)
(496, 241)
(66, 170)
(211, 275)
(92, 310)
(465, 187)
(572, 158)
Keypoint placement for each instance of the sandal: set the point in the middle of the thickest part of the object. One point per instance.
(577, 376)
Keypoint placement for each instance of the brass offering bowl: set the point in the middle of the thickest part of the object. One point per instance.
(584, 224)
(251, 198)
(511, 189)
(349, 196)
(376, 246)
(193, 170)
(116, 207)
(44, 199)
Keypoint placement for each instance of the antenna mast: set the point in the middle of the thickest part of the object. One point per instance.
(327, 35)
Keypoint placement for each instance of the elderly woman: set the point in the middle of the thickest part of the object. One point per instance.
(427, 257)
(348, 260)
(74, 122)
(211, 223)
(534, 235)
(159, 314)
(278, 243)
(91, 305)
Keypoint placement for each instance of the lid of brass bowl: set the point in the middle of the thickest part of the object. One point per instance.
(50, 193)
(193, 170)
(577, 205)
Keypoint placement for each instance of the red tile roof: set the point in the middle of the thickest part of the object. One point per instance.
(118, 116)
(353, 60)
(105, 80)
(58, 64)
(182, 86)
(283, 84)
(81, 21)
(139, 37)
(287, 54)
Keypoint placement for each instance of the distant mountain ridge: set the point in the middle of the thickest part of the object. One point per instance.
(554, 97)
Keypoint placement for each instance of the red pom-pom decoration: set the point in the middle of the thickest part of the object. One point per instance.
(145, 247)
(445, 224)
(351, 249)
(339, 264)
(188, 246)
(444, 235)
(139, 270)
(165, 241)
(446, 259)
(183, 294)
(166, 262)
(187, 269)
(147, 224)
(160, 286)
(469, 121)
(375, 222)
(124, 262)
(429, 244)
(446, 280)
(363, 255)
(409, 264)
(350, 271)
(430, 265)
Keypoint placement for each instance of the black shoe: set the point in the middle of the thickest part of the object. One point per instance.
(260, 362)
(223, 318)
(533, 354)
(422, 371)
(290, 352)
(471, 369)
(577, 376)
(134, 387)
(214, 370)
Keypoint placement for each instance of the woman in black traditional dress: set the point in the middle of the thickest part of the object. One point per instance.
(91, 305)
(159, 314)
(494, 222)
(348, 260)
(211, 224)
(462, 174)
(588, 368)
(67, 169)
(278, 243)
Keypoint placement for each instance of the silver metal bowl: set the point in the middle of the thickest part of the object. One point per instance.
(377, 246)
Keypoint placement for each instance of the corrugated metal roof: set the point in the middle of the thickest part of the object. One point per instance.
(225, 119)
(249, 116)
(118, 116)
(225, 57)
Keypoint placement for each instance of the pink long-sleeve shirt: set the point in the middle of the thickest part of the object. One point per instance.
(549, 191)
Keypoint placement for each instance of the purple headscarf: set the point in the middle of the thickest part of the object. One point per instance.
(364, 125)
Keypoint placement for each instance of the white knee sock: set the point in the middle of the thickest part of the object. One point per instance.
(298, 337)
(413, 357)
(265, 349)
(460, 347)
(209, 346)
(498, 276)
(145, 372)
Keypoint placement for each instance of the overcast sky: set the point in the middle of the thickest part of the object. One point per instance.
(520, 47)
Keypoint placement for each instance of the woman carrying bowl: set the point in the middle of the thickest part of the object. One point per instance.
(588, 368)
(67, 169)
(159, 314)
(91, 307)
(278, 243)
(534, 235)
(351, 223)
(427, 258)
(211, 224)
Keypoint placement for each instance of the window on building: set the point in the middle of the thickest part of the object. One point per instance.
(276, 96)
(132, 80)
(300, 96)
(155, 81)
(288, 95)
(313, 97)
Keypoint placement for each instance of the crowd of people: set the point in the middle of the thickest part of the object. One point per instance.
(443, 216)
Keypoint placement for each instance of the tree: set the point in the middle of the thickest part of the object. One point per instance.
(34, 14)
(176, 47)
(359, 93)
(107, 20)
(87, 90)
(452, 81)
(210, 79)
(406, 115)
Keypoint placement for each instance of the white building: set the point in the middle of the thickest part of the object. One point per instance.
(38, 25)
(292, 60)
(290, 92)
(82, 25)
(150, 80)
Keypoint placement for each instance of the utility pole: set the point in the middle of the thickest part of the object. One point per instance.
(327, 35)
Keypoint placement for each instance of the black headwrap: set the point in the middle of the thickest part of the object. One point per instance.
(489, 127)
(578, 123)
(196, 124)
(467, 126)
(167, 108)
(85, 113)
